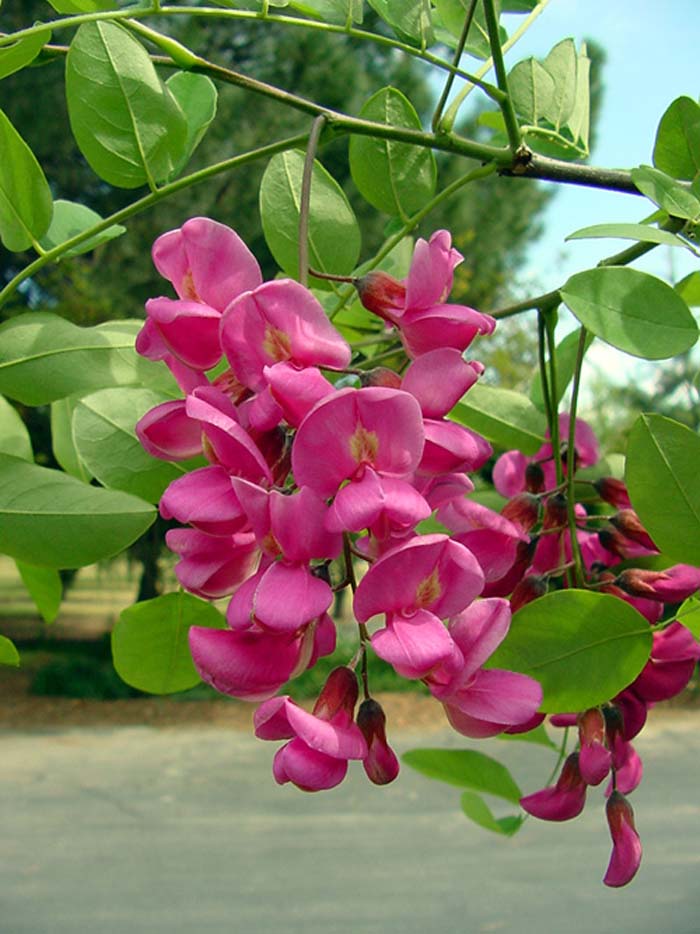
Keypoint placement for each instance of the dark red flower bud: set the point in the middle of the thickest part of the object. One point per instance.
(594, 758)
(381, 376)
(614, 723)
(613, 491)
(529, 589)
(381, 764)
(534, 478)
(565, 458)
(621, 545)
(381, 293)
(673, 585)
(627, 848)
(555, 512)
(523, 510)
(338, 693)
(627, 522)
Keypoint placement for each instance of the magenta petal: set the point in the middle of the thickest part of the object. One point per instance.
(450, 447)
(167, 432)
(190, 330)
(299, 525)
(627, 847)
(499, 697)
(342, 741)
(289, 596)
(249, 665)
(562, 802)
(594, 762)
(306, 768)
(413, 645)
(442, 326)
(429, 280)
(509, 473)
(479, 630)
(271, 721)
(371, 499)
(212, 566)
(439, 379)
(204, 498)
(296, 390)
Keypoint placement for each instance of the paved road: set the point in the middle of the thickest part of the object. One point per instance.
(136, 829)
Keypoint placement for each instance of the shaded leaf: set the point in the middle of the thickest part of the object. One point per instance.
(23, 52)
(632, 311)
(566, 353)
(83, 6)
(689, 289)
(583, 647)
(63, 442)
(149, 642)
(689, 615)
(504, 417)
(197, 97)
(25, 196)
(465, 768)
(677, 144)
(70, 219)
(665, 192)
(476, 809)
(45, 588)
(661, 474)
(14, 437)
(8, 653)
(53, 520)
(643, 233)
(538, 736)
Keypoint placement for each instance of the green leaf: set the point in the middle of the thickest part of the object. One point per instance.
(83, 6)
(476, 809)
(583, 647)
(125, 121)
(330, 11)
(23, 52)
(197, 97)
(580, 119)
(689, 615)
(70, 219)
(334, 234)
(25, 196)
(643, 233)
(44, 357)
(632, 311)
(410, 19)
(677, 145)
(45, 588)
(466, 769)
(566, 353)
(53, 520)
(666, 192)
(561, 64)
(532, 90)
(453, 13)
(8, 653)
(661, 474)
(106, 442)
(14, 437)
(63, 442)
(149, 642)
(508, 419)
(394, 177)
(689, 289)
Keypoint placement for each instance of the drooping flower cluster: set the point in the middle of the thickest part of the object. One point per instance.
(308, 476)
(302, 475)
(535, 545)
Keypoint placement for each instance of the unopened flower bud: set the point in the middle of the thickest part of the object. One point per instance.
(627, 522)
(594, 757)
(381, 293)
(627, 847)
(523, 510)
(614, 723)
(565, 459)
(381, 764)
(338, 693)
(563, 801)
(529, 589)
(381, 376)
(673, 585)
(555, 512)
(534, 478)
(613, 491)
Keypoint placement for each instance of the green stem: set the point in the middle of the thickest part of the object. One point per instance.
(579, 568)
(148, 201)
(511, 121)
(540, 302)
(435, 123)
(305, 201)
(550, 326)
(542, 357)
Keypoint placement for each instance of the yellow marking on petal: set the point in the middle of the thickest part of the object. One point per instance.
(428, 590)
(364, 445)
(187, 287)
(270, 545)
(277, 344)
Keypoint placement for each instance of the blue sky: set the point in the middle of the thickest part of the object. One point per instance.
(652, 58)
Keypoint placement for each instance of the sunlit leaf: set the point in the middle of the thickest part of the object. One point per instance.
(465, 768)
(25, 197)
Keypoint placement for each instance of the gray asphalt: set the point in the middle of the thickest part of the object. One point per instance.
(136, 829)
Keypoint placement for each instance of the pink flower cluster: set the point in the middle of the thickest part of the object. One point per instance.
(304, 476)
(535, 550)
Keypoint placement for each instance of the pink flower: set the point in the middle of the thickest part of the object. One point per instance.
(205, 498)
(674, 655)
(491, 537)
(322, 742)
(166, 431)
(563, 801)
(212, 566)
(627, 848)
(439, 379)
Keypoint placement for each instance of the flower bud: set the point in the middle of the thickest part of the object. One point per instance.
(627, 522)
(523, 510)
(381, 376)
(614, 492)
(594, 757)
(555, 512)
(381, 764)
(673, 585)
(534, 478)
(529, 589)
(381, 293)
(627, 847)
(338, 693)
(563, 801)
